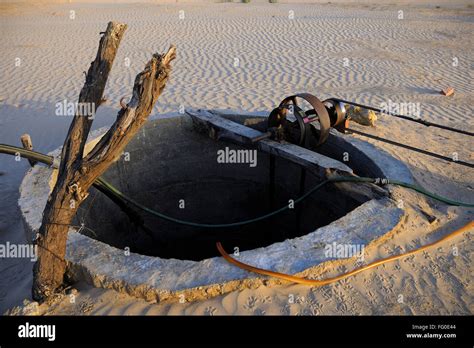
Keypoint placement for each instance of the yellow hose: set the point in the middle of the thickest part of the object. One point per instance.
(316, 282)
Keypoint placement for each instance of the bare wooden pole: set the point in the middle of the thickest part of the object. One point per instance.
(67, 195)
(76, 173)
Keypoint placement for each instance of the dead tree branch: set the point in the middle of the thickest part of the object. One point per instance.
(76, 173)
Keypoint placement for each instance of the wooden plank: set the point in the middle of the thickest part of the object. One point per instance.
(311, 160)
(221, 128)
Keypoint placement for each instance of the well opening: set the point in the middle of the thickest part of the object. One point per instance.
(173, 169)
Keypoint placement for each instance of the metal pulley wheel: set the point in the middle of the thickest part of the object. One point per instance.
(337, 111)
(317, 113)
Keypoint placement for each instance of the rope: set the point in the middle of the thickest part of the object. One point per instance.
(318, 282)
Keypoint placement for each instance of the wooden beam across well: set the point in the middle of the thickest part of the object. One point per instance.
(221, 128)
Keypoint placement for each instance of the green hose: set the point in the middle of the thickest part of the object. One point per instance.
(33, 155)
(111, 190)
(416, 188)
(419, 189)
(195, 224)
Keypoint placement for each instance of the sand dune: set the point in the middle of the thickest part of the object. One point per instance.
(248, 57)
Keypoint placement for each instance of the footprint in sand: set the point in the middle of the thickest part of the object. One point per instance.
(266, 299)
(210, 311)
(86, 306)
(327, 294)
(251, 302)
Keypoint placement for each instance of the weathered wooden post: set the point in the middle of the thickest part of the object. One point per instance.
(76, 172)
(28, 145)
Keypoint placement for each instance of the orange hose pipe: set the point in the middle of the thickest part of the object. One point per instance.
(316, 282)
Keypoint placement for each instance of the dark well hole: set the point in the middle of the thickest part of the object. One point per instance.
(169, 161)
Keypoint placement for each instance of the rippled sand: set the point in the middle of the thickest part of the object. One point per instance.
(248, 57)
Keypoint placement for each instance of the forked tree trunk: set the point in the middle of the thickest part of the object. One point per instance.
(76, 172)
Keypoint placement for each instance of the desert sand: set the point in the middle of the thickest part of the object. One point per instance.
(248, 57)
